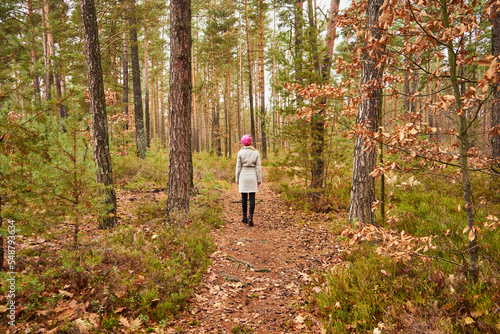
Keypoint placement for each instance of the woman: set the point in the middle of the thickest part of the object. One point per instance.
(248, 176)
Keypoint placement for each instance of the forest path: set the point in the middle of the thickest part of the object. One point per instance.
(284, 247)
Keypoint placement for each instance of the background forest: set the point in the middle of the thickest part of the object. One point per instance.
(382, 114)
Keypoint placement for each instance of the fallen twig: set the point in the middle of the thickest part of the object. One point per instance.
(229, 277)
(233, 259)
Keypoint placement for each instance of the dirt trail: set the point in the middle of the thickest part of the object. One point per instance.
(258, 274)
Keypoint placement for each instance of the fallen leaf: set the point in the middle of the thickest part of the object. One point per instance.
(136, 323)
(66, 293)
(476, 314)
(299, 319)
(140, 279)
(469, 321)
(83, 326)
(67, 314)
(42, 312)
(124, 322)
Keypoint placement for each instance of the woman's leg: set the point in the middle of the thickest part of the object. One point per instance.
(244, 205)
(252, 209)
(252, 203)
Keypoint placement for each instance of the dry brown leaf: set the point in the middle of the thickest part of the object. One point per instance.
(83, 326)
(66, 293)
(124, 322)
(472, 235)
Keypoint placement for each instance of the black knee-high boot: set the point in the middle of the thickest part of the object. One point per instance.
(252, 209)
(244, 204)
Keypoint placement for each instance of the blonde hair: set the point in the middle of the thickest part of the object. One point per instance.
(251, 146)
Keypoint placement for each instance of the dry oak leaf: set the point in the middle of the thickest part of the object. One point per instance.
(83, 326)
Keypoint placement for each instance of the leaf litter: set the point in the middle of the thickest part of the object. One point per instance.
(274, 261)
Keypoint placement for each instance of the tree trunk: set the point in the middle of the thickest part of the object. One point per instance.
(180, 170)
(363, 185)
(298, 40)
(125, 70)
(262, 83)
(36, 80)
(218, 128)
(463, 143)
(140, 137)
(250, 84)
(162, 105)
(227, 136)
(240, 84)
(146, 89)
(57, 81)
(97, 99)
(495, 107)
(318, 122)
(46, 55)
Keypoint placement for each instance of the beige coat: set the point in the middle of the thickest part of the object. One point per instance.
(248, 170)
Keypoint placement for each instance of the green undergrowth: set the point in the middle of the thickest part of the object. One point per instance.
(144, 270)
(424, 294)
(369, 291)
(414, 297)
(132, 173)
(290, 177)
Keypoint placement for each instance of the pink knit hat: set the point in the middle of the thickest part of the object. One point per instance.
(246, 140)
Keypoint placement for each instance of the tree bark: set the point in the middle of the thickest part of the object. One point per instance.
(363, 185)
(146, 89)
(140, 136)
(162, 105)
(318, 123)
(463, 148)
(97, 99)
(125, 70)
(495, 108)
(36, 80)
(262, 83)
(250, 84)
(180, 171)
(46, 55)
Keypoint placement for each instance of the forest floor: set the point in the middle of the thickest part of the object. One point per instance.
(259, 278)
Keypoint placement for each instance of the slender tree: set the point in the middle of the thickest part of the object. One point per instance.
(97, 99)
(140, 136)
(36, 80)
(363, 185)
(250, 84)
(146, 89)
(495, 109)
(125, 69)
(180, 170)
(318, 123)
(262, 79)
